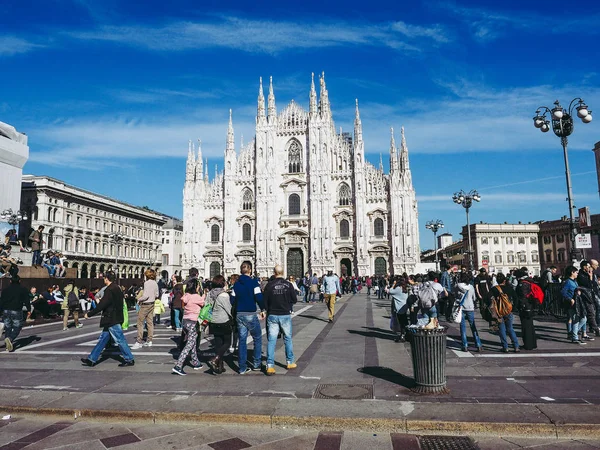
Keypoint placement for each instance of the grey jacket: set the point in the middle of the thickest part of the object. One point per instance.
(469, 304)
(150, 293)
(221, 312)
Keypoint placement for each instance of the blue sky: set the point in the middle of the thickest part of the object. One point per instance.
(110, 92)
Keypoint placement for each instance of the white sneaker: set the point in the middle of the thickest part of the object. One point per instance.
(148, 344)
(65, 329)
(80, 325)
(136, 346)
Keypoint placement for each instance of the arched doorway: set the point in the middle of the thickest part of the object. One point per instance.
(137, 272)
(215, 269)
(93, 271)
(101, 269)
(295, 263)
(380, 266)
(345, 267)
(84, 270)
(76, 266)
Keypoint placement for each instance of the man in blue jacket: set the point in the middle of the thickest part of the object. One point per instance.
(245, 296)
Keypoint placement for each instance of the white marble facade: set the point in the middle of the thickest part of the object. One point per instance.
(300, 194)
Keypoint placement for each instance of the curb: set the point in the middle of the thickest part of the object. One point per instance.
(405, 426)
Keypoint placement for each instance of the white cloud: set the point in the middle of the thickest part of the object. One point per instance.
(103, 142)
(268, 36)
(12, 45)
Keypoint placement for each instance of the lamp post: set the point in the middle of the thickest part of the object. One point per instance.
(435, 226)
(466, 199)
(562, 125)
(117, 238)
(12, 217)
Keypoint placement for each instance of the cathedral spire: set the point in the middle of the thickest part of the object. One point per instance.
(261, 101)
(199, 161)
(403, 152)
(381, 162)
(324, 97)
(357, 125)
(393, 152)
(200, 150)
(312, 107)
(272, 110)
(230, 136)
(206, 170)
(190, 163)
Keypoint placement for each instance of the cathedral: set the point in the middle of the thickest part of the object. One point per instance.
(302, 195)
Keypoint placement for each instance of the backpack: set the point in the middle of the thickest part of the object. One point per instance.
(428, 296)
(73, 300)
(544, 281)
(535, 293)
(503, 305)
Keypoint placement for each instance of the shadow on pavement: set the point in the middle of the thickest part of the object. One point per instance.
(24, 342)
(379, 333)
(313, 317)
(387, 374)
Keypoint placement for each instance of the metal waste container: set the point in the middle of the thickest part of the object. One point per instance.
(428, 349)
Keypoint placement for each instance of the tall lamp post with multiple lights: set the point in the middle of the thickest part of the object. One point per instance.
(117, 239)
(466, 199)
(435, 226)
(562, 125)
(13, 218)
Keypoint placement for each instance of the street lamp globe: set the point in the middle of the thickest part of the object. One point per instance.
(582, 111)
(545, 127)
(588, 118)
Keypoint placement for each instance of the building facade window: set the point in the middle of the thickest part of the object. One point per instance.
(215, 233)
(295, 158)
(510, 258)
(509, 240)
(215, 269)
(496, 241)
(548, 255)
(246, 232)
(247, 200)
(547, 240)
(344, 195)
(294, 205)
(560, 256)
(484, 241)
(498, 259)
(378, 227)
(533, 240)
(521, 241)
(560, 238)
(344, 229)
(535, 257)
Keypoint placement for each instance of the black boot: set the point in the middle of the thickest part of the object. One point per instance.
(214, 365)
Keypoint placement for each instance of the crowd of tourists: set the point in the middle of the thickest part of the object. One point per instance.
(230, 310)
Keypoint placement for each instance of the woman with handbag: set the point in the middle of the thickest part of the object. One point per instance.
(502, 299)
(220, 323)
(192, 302)
(466, 292)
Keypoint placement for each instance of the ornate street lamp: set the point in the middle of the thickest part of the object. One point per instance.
(466, 199)
(562, 125)
(435, 226)
(117, 239)
(13, 218)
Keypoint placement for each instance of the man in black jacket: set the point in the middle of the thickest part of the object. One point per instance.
(14, 297)
(111, 307)
(279, 297)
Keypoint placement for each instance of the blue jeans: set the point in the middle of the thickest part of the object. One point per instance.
(431, 312)
(36, 258)
(116, 332)
(178, 316)
(575, 324)
(249, 324)
(50, 269)
(13, 321)
(274, 324)
(506, 323)
(470, 316)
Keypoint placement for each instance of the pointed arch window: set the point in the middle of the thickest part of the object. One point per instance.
(294, 205)
(378, 227)
(247, 200)
(295, 157)
(344, 195)
(215, 233)
(344, 229)
(246, 232)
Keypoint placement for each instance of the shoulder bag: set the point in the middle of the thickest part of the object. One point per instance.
(457, 309)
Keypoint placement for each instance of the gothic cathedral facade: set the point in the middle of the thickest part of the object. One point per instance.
(302, 195)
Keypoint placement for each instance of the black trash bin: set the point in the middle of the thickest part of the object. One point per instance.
(428, 349)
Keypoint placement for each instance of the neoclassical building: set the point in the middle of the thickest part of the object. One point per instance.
(302, 195)
(80, 223)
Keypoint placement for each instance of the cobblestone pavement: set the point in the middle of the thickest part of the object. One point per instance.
(36, 434)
